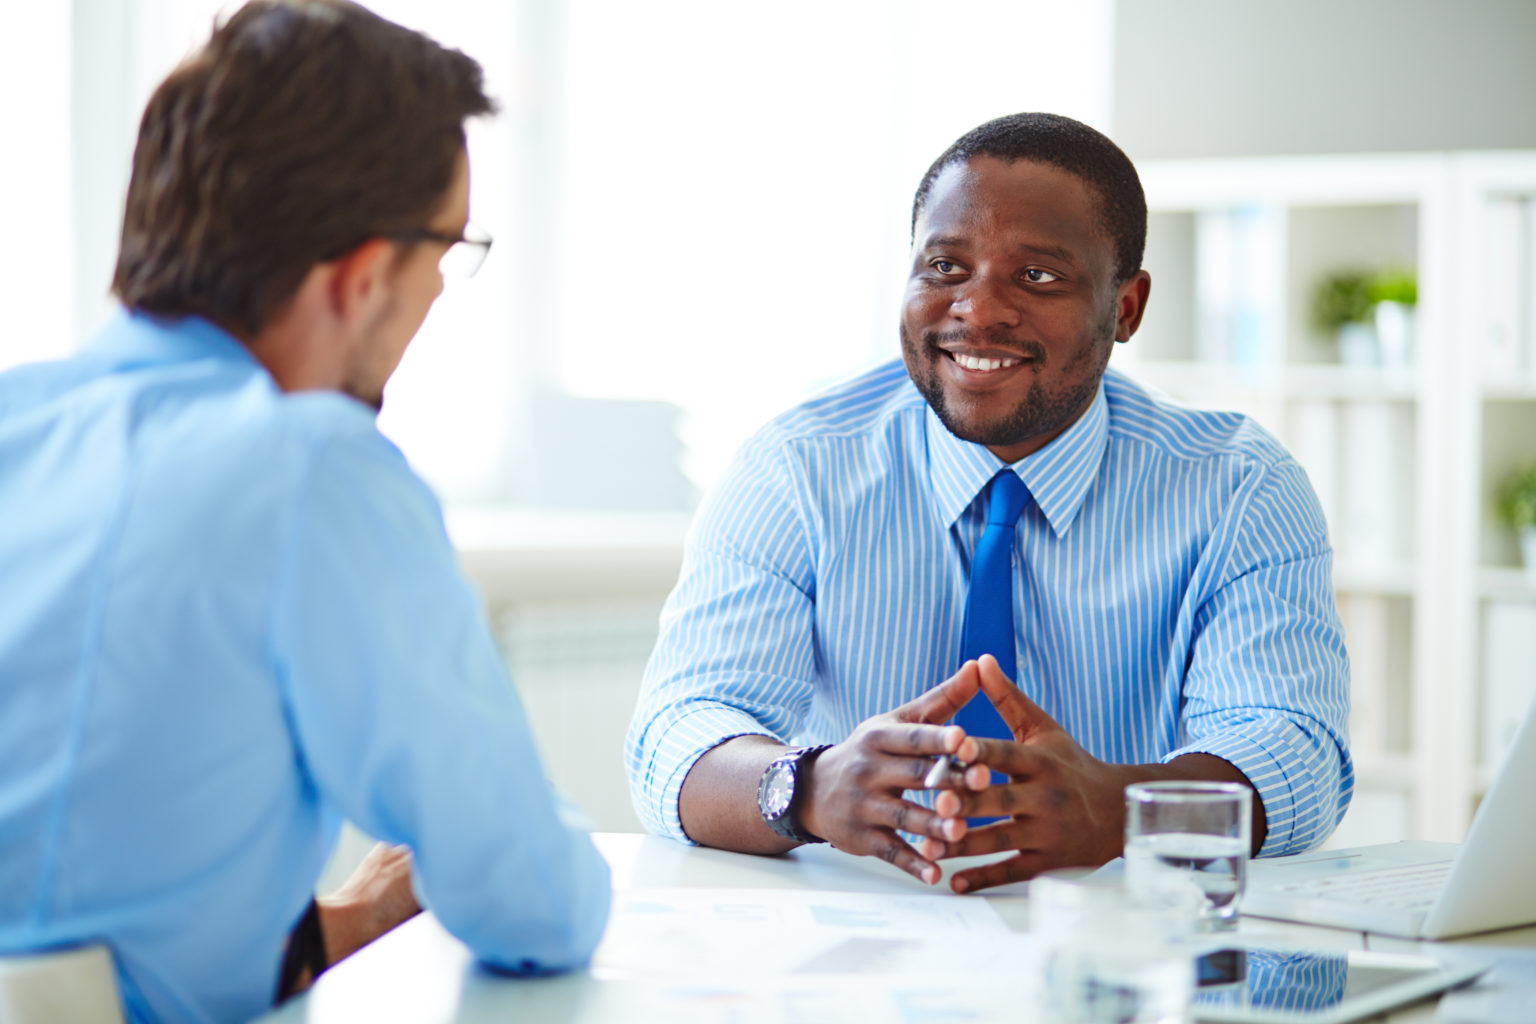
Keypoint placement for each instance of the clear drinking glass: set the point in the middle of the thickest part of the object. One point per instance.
(1108, 958)
(1188, 842)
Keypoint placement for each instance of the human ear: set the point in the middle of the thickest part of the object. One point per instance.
(359, 286)
(1130, 304)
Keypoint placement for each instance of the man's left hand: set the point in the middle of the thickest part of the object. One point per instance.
(1063, 806)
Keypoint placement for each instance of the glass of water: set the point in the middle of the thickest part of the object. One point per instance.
(1107, 958)
(1188, 842)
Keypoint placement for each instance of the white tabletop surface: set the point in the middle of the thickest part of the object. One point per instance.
(420, 973)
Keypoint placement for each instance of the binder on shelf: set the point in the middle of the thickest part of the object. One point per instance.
(1509, 350)
(1509, 674)
(1367, 638)
(1213, 287)
(1239, 277)
(1376, 484)
(1526, 286)
(1314, 440)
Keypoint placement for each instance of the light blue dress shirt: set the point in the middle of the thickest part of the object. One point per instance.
(1172, 594)
(229, 618)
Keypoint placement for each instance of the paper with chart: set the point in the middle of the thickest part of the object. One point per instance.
(752, 934)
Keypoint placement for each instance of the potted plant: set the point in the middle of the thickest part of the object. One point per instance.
(1517, 508)
(1394, 293)
(1342, 306)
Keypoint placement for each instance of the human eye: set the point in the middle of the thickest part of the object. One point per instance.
(947, 268)
(1038, 275)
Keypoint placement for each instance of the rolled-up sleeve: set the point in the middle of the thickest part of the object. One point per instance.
(408, 724)
(735, 652)
(1267, 686)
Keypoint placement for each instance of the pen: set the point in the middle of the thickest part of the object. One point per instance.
(936, 773)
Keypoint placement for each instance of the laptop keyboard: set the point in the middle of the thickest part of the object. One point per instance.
(1412, 888)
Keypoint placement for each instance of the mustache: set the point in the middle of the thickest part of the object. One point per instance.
(991, 338)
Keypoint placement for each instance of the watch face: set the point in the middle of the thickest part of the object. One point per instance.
(777, 790)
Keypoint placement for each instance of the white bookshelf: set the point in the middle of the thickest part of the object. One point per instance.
(1405, 456)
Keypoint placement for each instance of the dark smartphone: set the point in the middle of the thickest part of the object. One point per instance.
(1221, 967)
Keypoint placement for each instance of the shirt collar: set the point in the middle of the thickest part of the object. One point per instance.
(1058, 476)
(136, 338)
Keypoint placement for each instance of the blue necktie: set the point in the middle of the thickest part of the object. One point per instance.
(989, 605)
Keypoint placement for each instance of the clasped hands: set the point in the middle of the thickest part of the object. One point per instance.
(1063, 806)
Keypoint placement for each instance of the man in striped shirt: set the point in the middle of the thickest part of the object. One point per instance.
(1172, 597)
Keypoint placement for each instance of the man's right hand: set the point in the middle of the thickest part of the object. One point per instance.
(374, 899)
(855, 790)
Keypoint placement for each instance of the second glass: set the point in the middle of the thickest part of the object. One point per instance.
(1108, 959)
(1189, 842)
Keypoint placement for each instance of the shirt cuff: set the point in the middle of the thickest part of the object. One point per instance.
(1262, 752)
(687, 739)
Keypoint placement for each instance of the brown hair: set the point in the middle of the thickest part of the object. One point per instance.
(302, 129)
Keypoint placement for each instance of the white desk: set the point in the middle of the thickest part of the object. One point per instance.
(420, 973)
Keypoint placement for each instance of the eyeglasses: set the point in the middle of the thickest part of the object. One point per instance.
(465, 253)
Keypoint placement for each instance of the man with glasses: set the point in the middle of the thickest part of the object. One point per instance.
(230, 615)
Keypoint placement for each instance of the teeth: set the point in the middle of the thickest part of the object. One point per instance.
(974, 363)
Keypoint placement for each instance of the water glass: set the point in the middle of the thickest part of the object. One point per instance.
(1187, 843)
(1108, 958)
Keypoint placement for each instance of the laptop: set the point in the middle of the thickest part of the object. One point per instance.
(1420, 890)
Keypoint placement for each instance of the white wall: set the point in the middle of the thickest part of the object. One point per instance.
(37, 273)
(1215, 78)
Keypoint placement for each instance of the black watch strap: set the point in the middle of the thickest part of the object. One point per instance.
(787, 825)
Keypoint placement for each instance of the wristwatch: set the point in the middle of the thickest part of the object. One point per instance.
(780, 793)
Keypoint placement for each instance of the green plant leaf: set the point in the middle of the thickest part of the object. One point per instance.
(1516, 504)
(1397, 284)
(1342, 298)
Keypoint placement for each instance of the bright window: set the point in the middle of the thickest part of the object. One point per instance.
(695, 203)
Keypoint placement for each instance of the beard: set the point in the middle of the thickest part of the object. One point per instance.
(1052, 403)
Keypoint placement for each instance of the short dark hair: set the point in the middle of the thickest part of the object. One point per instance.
(1076, 149)
(300, 130)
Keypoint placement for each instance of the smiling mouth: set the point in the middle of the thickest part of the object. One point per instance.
(982, 365)
(974, 363)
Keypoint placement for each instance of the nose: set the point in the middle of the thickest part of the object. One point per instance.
(985, 301)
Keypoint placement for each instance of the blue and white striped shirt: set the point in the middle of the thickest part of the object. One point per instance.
(1173, 594)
